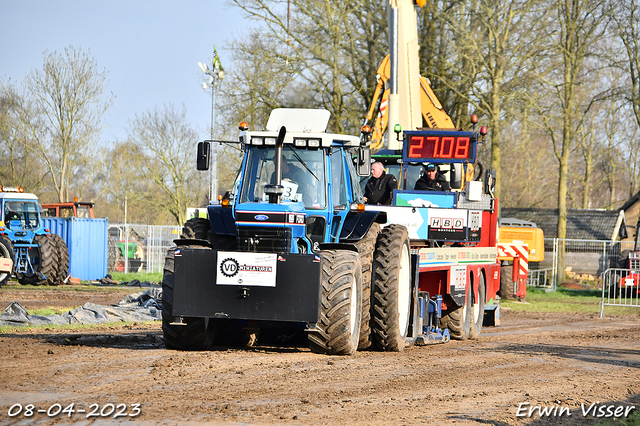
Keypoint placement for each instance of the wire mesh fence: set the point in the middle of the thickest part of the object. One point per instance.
(579, 261)
(139, 248)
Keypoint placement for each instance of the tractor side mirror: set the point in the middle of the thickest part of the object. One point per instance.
(363, 166)
(202, 160)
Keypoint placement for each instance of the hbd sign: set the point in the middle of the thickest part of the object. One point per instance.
(447, 224)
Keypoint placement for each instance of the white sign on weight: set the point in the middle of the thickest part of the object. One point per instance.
(246, 269)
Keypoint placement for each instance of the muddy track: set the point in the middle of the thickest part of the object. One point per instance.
(545, 360)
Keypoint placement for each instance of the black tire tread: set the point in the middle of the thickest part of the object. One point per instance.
(63, 258)
(47, 265)
(200, 228)
(366, 246)
(332, 334)
(384, 310)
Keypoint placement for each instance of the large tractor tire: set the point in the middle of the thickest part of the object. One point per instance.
(6, 251)
(458, 318)
(391, 300)
(507, 285)
(197, 333)
(200, 229)
(477, 309)
(337, 331)
(63, 258)
(44, 260)
(366, 246)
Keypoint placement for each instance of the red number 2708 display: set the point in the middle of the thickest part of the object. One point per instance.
(444, 147)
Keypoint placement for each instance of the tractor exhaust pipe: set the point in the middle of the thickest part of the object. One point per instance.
(276, 190)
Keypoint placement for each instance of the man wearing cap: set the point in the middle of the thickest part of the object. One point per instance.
(379, 188)
(432, 180)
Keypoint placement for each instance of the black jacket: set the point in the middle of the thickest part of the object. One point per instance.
(438, 184)
(378, 190)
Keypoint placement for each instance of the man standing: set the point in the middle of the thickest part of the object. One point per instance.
(432, 180)
(379, 188)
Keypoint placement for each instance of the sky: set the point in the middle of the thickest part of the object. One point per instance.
(150, 49)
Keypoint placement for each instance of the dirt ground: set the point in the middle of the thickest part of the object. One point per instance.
(554, 361)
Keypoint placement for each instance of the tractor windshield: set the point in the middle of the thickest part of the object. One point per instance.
(27, 212)
(303, 176)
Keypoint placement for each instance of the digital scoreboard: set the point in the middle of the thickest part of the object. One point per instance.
(440, 146)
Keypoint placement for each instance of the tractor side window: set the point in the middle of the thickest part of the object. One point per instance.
(84, 212)
(338, 187)
(66, 211)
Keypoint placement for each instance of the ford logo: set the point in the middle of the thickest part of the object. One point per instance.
(261, 217)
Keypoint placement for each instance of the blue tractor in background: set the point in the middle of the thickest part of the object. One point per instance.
(291, 247)
(37, 256)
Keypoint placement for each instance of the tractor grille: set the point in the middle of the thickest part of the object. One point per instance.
(263, 239)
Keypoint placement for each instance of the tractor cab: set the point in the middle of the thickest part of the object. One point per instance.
(296, 189)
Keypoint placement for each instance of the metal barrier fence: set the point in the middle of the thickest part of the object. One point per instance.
(620, 287)
(139, 248)
(580, 260)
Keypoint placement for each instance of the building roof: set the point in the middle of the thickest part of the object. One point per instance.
(631, 201)
(582, 224)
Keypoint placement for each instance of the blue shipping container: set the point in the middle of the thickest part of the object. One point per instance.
(87, 242)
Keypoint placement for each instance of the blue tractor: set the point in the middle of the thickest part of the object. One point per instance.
(291, 250)
(38, 257)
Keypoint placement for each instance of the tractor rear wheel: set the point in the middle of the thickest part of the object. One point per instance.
(195, 334)
(44, 259)
(337, 331)
(366, 247)
(477, 310)
(391, 300)
(63, 258)
(6, 251)
(200, 229)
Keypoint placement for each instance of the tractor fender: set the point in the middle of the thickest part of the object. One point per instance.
(222, 220)
(357, 224)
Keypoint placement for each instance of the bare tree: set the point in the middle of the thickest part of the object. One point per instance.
(170, 144)
(331, 51)
(493, 45)
(19, 166)
(67, 101)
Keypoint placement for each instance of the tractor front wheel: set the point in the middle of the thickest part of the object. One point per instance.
(366, 246)
(337, 331)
